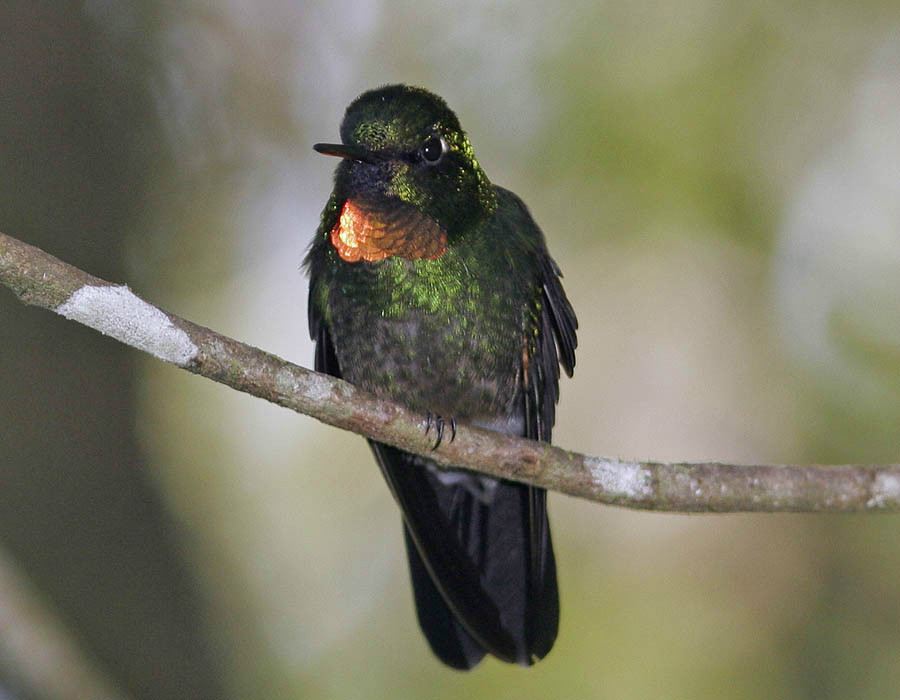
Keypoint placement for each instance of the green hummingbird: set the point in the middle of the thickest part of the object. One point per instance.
(432, 287)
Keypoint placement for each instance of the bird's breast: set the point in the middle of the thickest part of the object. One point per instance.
(429, 334)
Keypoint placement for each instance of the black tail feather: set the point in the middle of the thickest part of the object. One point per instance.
(481, 561)
(448, 639)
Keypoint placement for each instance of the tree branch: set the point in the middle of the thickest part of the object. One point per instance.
(42, 280)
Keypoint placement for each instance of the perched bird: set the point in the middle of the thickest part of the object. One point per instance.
(432, 287)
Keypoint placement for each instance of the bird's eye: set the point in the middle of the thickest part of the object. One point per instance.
(434, 149)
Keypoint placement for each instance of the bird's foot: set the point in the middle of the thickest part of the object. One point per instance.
(439, 425)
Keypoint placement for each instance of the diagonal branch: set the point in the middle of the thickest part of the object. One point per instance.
(42, 280)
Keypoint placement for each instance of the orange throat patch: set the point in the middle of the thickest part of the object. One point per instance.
(362, 232)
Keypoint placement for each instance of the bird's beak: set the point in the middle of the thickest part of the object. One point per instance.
(344, 151)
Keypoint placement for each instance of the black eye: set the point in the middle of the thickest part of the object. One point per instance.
(433, 150)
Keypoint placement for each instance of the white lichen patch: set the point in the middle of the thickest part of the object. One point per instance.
(313, 386)
(629, 480)
(119, 313)
(885, 490)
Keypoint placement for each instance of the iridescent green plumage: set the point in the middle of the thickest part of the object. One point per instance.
(476, 333)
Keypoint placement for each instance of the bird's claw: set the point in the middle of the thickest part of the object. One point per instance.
(439, 424)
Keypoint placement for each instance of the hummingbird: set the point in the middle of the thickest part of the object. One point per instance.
(432, 287)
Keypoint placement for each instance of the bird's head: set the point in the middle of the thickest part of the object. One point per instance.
(407, 163)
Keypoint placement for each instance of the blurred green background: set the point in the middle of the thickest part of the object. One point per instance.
(719, 182)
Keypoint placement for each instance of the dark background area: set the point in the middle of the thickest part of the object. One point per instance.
(78, 509)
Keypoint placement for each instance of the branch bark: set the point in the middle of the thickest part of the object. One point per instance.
(39, 279)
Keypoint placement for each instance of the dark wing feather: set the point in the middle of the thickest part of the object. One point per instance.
(554, 345)
(562, 316)
(326, 359)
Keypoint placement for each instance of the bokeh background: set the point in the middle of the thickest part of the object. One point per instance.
(719, 181)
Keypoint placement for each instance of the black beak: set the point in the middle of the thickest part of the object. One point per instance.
(344, 151)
